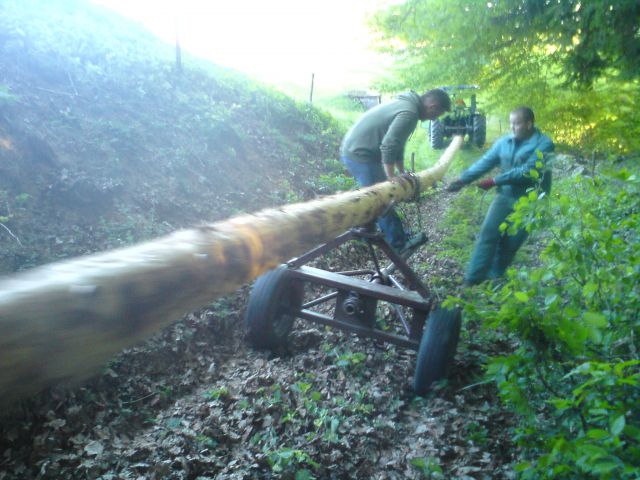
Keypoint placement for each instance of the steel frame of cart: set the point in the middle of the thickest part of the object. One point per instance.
(278, 298)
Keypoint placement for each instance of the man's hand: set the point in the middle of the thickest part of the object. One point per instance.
(389, 170)
(455, 185)
(486, 183)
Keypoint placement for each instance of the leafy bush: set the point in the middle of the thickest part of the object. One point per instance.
(335, 183)
(573, 374)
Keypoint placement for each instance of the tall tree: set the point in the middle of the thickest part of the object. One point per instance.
(576, 57)
(583, 40)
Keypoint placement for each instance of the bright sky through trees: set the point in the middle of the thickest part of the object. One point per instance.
(276, 41)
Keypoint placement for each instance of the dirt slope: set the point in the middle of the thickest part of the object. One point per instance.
(103, 143)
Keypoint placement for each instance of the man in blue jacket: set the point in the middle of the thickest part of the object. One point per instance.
(373, 149)
(517, 155)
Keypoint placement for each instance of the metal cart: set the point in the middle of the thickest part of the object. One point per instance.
(279, 297)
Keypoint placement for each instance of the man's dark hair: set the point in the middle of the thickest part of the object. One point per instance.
(440, 96)
(527, 114)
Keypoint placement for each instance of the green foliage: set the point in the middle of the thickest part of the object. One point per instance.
(301, 409)
(574, 62)
(23, 198)
(574, 373)
(4, 207)
(13, 208)
(476, 433)
(428, 467)
(218, 393)
(284, 459)
(336, 182)
(342, 107)
(604, 117)
(348, 359)
(582, 41)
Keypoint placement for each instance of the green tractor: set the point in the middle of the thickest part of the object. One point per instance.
(462, 120)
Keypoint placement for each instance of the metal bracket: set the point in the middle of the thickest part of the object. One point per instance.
(356, 300)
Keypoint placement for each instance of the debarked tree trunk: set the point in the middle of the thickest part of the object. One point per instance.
(61, 322)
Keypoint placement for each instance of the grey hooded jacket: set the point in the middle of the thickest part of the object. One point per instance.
(382, 132)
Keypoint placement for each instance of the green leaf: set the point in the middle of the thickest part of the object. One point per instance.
(619, 368)
(632, 432)
(595, 334)
(522, 297)
(617, 426)
(606, 466)
(304, 475)
(595, 319)
(597, 434)
(174, 422)
(571, 312)
(593, 452)
(589, 289)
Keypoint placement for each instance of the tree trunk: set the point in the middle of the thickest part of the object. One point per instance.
(62, 321)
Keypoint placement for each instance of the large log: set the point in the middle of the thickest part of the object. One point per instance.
(61, 322)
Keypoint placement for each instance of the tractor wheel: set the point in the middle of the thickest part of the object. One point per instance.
(479, 134)
(437, 348)
(436, 134)
(267, 325)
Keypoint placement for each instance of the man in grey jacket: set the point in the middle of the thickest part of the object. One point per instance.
(373, 149)
(523, 159)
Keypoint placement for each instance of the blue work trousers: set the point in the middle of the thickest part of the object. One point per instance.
(494, 250)
(370, 173)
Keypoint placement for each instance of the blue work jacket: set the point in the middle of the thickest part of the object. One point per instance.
(516, 160)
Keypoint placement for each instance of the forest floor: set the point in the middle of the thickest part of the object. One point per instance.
(196, 402)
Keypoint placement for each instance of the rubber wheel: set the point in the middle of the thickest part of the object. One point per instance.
(479, 134)
(437, 348)
(266, 324)
(436, 134)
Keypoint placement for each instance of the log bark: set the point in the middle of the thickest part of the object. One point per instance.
(60, 322)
